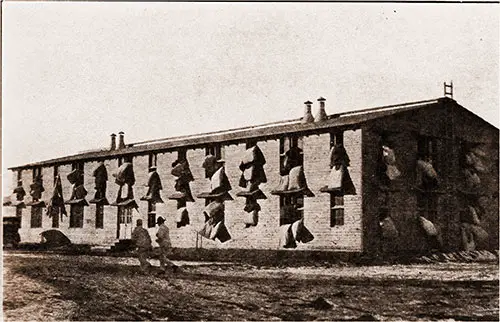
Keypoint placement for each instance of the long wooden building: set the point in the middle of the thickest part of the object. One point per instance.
(408, 177)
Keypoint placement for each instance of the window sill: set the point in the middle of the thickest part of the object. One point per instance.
(301, 191)
(102, 201)
(256, 194)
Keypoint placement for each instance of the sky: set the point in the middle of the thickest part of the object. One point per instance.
(75, 72)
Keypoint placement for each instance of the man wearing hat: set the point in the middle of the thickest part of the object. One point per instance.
(142, 240)
(163, 239)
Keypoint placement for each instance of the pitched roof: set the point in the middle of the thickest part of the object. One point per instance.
(268, 130)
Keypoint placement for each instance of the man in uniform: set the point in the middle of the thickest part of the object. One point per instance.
(142, 240)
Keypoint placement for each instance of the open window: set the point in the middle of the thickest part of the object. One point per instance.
(125, 179)
(36, 188)
(152, 160)
(427, 205)
(99, 216)
(151, 214)
(339, 181)
(427, 162)
(36, 217)
(100, 175)
(217, 152)
(154, 182)
(291, 156)
(56, 208)
(76, 216)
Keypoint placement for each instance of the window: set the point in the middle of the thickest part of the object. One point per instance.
(336, 210)
(36, 217)
(291, 207)
(19, 214)
(19, 175)
(55, 221)
(120, 161)
(153, 157)
(151, 214)
(99, 216)
(76, 216)
(295, 157)
(250, 143)
(427, 204)
(336, 138)
(124, 215)
(37, 173)
(427, 149)
(77, 165)
(336, 201)
(77, 173)
(215, 150)
(56, 173)
(181, 154)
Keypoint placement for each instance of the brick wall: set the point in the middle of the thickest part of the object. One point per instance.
(264, 236)
(345, 237)
(401, 198)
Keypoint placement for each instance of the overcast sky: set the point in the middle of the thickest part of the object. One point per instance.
(73, 73)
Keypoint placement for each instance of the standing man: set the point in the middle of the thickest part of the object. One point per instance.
(142, 240)
(163, 239)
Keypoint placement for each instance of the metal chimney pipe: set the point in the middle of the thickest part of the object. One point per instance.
(308, 118)
(322, 113)
(113, 142)
(121, 140)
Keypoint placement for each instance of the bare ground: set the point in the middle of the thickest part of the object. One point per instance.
(60, 287)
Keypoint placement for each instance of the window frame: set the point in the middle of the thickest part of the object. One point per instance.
(152, 160)
(216, 150)
(19, 214)
(337, 201)
(287, 142)
(37, 173)
(151, 214)
(182, 154)
(124, 215)
(55, 221)
(427, 205)
(77, 165)
(427, 149)
(337, 210)
(76, 217)
(99, 216)
(336, 137)
(36, 219)
(56, 173)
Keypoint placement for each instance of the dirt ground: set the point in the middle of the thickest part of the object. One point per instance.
(40, 286)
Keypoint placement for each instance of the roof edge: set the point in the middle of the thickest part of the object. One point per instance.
(279, 125)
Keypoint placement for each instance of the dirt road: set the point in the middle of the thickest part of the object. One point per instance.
(57, 287)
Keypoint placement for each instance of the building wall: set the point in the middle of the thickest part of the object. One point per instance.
(265, 235)
(404, 130)
(346, 237)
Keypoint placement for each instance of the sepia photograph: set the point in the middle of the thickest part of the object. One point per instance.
(264, 161)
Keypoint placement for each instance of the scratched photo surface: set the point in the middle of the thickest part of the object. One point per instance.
(250, 161)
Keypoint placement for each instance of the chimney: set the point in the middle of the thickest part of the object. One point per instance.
(308, 118)
(322, 113)
(113, 142)
(121, 140)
